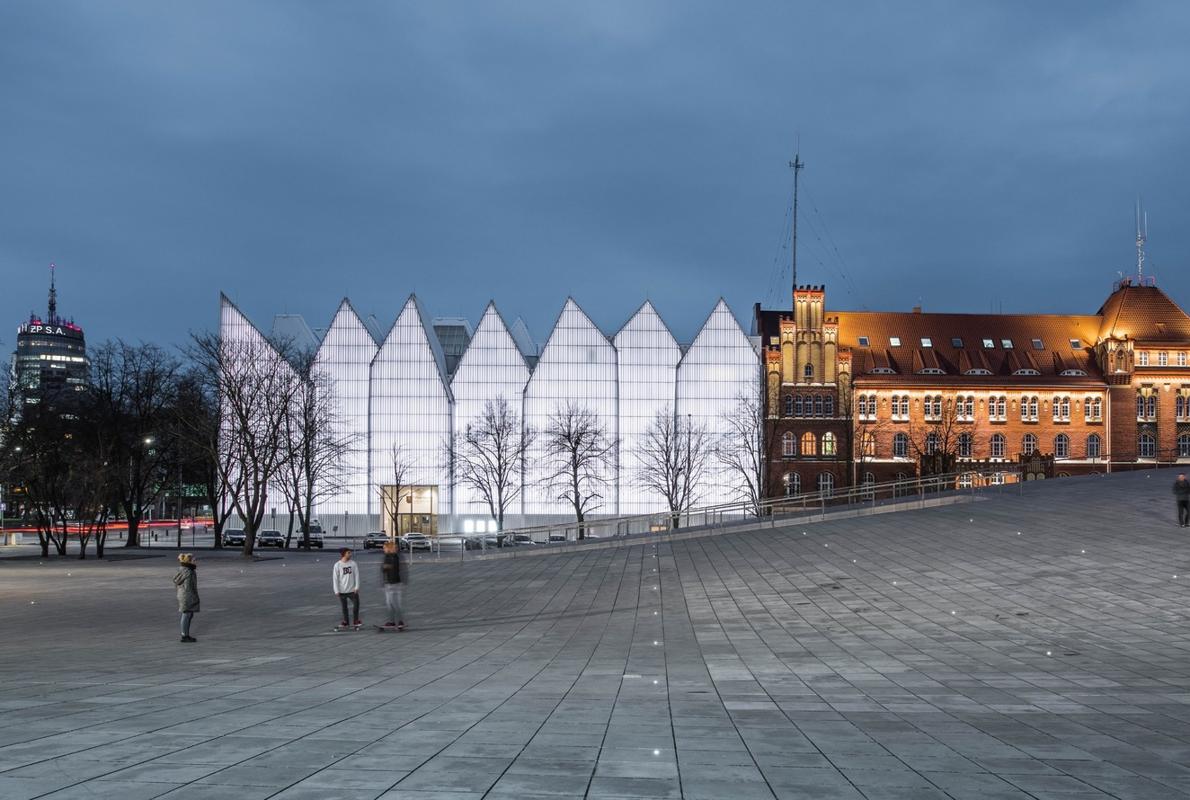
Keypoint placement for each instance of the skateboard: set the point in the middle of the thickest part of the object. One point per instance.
(383, 629)
(342, 629)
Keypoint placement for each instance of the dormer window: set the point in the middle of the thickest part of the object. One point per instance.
(1006, 344)
(1076, 344)
(926, 341)
(895, 341)
(863, 341)
(1038, 344)
(957, 343)
(884, 371)
(989, 344)
(1074, 373)
(931, 371)
(978, 371)
(1026, 371)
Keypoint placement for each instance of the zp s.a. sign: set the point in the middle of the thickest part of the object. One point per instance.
(46, 330)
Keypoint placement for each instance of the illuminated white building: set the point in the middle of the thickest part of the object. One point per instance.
(398, 402)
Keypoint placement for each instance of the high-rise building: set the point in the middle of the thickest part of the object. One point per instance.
(50, 361)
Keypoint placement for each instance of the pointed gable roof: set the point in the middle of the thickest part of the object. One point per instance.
(721, 320)
(645, 317)
(491, 324)
(1144, 313)
(346, 322)
(412, 322)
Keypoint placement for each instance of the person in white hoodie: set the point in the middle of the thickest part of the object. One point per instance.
(346, 584)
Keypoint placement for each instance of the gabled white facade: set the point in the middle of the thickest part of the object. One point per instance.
(578, 366)
(397, 393)
(410, 409)
(345, 357)
(719, 368)
(490, 369)
(647, 370)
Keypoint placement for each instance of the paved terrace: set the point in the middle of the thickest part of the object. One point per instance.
(1028, 646)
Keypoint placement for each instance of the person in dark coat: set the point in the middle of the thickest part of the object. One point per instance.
(186, 579)
(1181, 492)
(394, 577)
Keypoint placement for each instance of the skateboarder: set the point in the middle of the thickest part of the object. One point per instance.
(394, 576)
(186, 579)
(1181, 492)
(346, 585)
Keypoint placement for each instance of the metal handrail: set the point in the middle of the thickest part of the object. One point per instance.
(743, 512)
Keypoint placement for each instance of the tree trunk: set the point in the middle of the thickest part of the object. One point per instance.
(133, 539)
(44, 542)
(100, 541)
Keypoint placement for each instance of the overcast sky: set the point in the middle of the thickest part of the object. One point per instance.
(967, 156)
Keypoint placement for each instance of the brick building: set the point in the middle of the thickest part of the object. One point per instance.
(857, 396)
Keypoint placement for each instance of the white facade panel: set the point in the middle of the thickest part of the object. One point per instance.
(491, 368)
(410, 409)
(345, 357)
(718, 369)
(577, 365)
(647, 366)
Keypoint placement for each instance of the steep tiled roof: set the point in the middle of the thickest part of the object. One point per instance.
(1144, 313)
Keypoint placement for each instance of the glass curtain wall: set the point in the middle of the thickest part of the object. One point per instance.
(719, 369)
(577, 365)
(492, 367)
(345, 358)
(647, 368)
(410, 414)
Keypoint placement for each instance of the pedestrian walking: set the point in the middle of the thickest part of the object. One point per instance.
(346, 583)
(1181, 492)
(186, 579)
(394, 576)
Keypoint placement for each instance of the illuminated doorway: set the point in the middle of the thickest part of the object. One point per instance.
(415, 511)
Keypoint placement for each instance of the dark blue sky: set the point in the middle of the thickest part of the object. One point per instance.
(967, 155)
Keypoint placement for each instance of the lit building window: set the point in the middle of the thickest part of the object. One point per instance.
(926, 342)
(828, 444)
(792, 482)
(1006, 344)
(989, 344)
(895, 341)
(809, 444)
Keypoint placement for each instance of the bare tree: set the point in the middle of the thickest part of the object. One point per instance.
(489, 456)
(205, 458)
(132, 395)
(38, 451)
(316, 446)
(745, 450)
(672, 459)
(256, 387)
(580, 459)
(935, 438)
(390, 501)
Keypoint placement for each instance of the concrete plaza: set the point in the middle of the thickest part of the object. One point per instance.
(1031, 645)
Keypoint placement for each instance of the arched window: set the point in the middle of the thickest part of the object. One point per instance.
(1029, 444)
(997, 445)
(1146, 446)
(1093, 409)
(788, 444)
(1061, 446)
(1182, 406)
(931, 443)
(869, 485)
(1140, 406)
(1029, 406)
(1151, 406)
(901, 445)
(829, 403)
(868, 444)
(826, 482)
(1061, 409)
(818, 405)
(828, 444)
(792, 482)
(789, 405)
(997, 408)
(808, 370)
(1093, 445)
(966, 445)
(1184, 445)
(809, 444)
(797, 406)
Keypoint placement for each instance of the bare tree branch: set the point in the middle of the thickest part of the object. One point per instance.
(672, 459)
(580, 459)
(489, 456)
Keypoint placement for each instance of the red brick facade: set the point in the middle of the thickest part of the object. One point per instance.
(863, 396)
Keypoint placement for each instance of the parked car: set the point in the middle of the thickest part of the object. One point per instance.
(315, 537)
(375, 539)
(233, 537)
(270, 539)
(557, 537)
(416, 541)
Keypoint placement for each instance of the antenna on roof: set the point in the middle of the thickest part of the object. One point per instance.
(53, 298)
(796, 165)
(1142, 236)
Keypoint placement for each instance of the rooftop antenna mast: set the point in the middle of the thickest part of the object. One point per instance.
(796, 165)
(1142, 235)
(53, 297)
